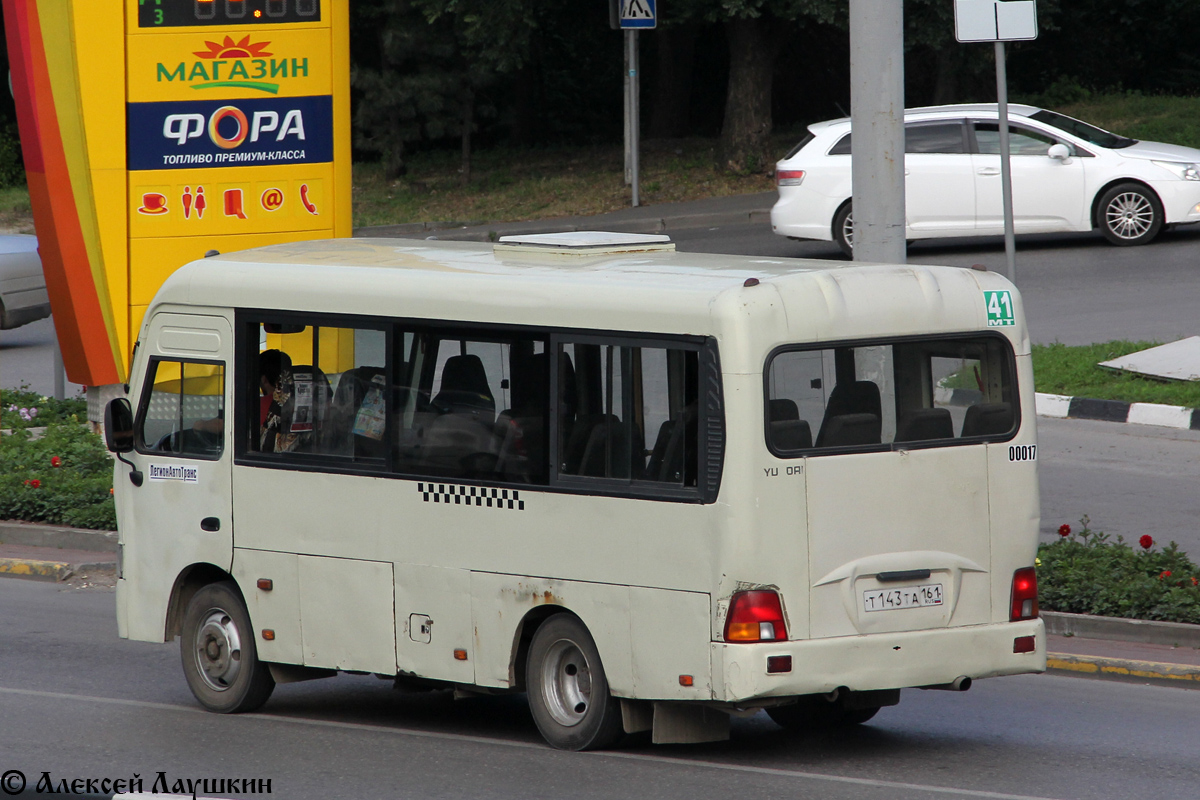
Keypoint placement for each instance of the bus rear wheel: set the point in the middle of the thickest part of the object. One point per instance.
(568, 692)
(220, 660)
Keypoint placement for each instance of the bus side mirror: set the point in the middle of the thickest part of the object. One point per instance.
(118, 425)
(118, 434)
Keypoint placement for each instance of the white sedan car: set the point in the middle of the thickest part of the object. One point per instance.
(1066, 175)
(23, 295)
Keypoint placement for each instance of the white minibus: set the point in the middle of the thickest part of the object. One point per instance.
(653, 490)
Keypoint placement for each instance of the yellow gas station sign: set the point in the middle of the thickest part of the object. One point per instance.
(229, 128)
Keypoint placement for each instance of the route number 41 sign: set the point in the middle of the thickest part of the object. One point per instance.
(999, 309)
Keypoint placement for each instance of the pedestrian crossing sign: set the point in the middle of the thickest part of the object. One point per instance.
(638, 14)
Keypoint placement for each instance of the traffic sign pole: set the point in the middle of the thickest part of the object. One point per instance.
(1010, 244)
(633, 110)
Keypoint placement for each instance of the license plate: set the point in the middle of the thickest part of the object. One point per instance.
(905, 597)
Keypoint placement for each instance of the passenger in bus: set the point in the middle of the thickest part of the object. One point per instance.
(270, 364)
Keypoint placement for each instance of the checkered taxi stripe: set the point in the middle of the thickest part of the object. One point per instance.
(482, 496)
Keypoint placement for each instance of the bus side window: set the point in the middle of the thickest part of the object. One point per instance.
(614, 401)
(321, 390)
(475, 409)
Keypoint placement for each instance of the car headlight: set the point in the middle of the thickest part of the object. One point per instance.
(1185, 172)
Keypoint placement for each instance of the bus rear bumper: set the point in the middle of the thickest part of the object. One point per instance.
(876, 661)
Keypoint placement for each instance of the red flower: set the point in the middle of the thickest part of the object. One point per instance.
(1195, 582)
(55, 461)
(35, 483)
(1166, 573)
(1064, 530)
(1146, 542)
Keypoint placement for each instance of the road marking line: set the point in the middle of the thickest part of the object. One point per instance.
(459, 737)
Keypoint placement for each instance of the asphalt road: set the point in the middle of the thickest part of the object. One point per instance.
(78, 702)
(1129, 479)
(1077, 288)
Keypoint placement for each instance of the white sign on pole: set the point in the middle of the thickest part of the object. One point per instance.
(995, 20)
(638, 14)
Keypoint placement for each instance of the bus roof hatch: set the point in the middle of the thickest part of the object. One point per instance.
(584, 243)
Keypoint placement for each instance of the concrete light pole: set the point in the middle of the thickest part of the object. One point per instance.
(877, 121)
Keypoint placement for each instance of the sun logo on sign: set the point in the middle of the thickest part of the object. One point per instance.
(231, 49)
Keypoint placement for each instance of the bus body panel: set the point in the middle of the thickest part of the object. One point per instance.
(389, 519)
(276, 609)
(1016, 505)
(347, 614)
(433, 619)
(862, 521)
(160, 523)
(934, 657)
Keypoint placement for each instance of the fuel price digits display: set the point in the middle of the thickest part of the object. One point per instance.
(181, 13)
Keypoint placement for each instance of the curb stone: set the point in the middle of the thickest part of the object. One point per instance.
(1123, 669)
(57, 571)
(1063, 407)
(35, 534)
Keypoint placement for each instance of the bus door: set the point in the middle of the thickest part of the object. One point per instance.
(184, 504)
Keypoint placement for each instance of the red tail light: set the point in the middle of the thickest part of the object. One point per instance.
(789, 177)
(1024, 595)
(755, 616)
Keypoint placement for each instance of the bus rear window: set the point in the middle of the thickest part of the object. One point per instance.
(889, 395)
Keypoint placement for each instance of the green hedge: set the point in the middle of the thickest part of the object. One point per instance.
(62, 476)
(1087, 572)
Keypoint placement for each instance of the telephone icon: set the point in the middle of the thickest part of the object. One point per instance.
(309, 205)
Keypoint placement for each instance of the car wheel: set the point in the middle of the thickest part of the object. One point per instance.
(843, 228)
(220, 660)
(814, 712)
(568, 693)
(1130, 214)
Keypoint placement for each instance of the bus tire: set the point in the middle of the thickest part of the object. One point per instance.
(220, 659)
(814, 712)
(568, 692)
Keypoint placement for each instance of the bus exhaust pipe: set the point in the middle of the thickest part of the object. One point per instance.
(960, 684)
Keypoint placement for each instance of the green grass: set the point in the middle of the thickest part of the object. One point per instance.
(517, 184)
(15, 213)
(1073, 371)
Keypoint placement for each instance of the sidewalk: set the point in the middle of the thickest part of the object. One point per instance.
(706, 212)
(48, 552)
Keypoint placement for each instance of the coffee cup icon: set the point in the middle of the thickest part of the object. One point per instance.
(153, 203)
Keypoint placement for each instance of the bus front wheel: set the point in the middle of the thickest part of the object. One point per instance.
(220, 660)
(568, 693)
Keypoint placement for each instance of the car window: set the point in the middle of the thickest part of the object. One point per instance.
(941, 138)
(1021, 141)
(1084, 131)
(803, 143)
